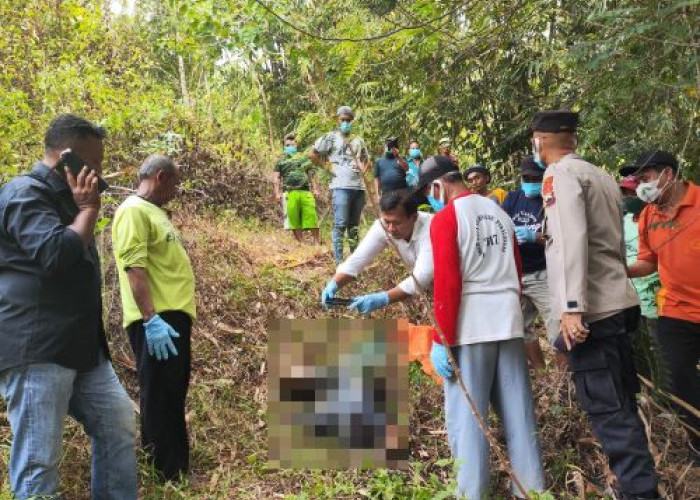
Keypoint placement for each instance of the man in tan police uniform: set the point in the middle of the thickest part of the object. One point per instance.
(590, 293)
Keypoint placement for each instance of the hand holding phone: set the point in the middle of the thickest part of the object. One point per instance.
(84, 188)
(75, 164)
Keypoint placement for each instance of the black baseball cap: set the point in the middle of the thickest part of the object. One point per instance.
(562, 120)
(655, 158)
(434, 168)
(628, 170)
(529, 167)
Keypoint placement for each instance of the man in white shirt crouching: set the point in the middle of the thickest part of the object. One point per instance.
(402, 226)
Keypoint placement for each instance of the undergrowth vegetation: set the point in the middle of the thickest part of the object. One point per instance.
(249, 272)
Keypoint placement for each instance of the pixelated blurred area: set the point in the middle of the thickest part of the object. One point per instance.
(338, 394)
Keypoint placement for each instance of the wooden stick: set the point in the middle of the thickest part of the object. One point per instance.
(687, 406)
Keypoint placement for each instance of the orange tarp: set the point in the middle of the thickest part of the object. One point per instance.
(420, 340)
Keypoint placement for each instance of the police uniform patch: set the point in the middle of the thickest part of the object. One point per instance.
(548, 192)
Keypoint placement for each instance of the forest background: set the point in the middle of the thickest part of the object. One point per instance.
(217, 84)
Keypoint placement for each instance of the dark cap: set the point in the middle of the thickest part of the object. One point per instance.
(529, 167)
(434, 168)
(655, 158)
(628, 170)
(478, 168)
(555, 121)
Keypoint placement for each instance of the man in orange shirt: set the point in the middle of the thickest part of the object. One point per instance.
(669, 240)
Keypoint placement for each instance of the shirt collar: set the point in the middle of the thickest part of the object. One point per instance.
(51, 178)
(691, 196)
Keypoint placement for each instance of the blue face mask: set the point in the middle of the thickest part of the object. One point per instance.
(290, 150)
(414, 153)
(345, 127)
(531, 189)
(436, 204)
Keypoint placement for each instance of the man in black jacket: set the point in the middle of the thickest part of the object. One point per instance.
(54, 358)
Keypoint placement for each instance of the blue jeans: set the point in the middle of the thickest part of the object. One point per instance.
(347, 209)
(38, 397)
(495, 373)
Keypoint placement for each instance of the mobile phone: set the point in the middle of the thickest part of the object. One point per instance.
(75, 164)
(392, 143)
(338, 302)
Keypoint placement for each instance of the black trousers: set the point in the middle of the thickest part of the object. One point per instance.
(163, 390)
(680, 346)
(606, 383)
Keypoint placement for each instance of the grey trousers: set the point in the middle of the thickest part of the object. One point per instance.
(495, 373)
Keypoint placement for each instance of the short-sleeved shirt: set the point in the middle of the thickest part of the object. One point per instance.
(672, 240)
(390, 174)
(527, 212)
(646, 286)
(342, 153)
(413, 170)
(144, 237)
(295, 171)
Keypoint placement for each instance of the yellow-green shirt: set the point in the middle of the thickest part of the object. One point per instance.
(144, 237)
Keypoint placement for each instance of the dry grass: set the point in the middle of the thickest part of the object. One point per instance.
(250, 272)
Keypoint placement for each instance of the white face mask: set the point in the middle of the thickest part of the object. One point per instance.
(649, 192)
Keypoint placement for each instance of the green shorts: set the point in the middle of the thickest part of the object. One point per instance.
(301, 210)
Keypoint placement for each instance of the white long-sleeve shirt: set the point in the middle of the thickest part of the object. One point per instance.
(416, 253)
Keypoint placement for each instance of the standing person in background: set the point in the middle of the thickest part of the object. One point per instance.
(669, 241)
(445, 149)
(54, 357)
(157, 291)
(524, 206)
(349, 160)
(414, 160)
(390, 170)
(590, 293)
(293, 177)
(478, 178)
(646, 286)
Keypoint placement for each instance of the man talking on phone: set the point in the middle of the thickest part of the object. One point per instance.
(54, 359)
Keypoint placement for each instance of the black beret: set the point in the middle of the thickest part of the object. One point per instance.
(529, 167)
(555, 121)
(656, 158)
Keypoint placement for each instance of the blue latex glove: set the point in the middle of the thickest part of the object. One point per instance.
(329, 291)
(365, 304)
(441, 361)
(158, 334)
(525, 234)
